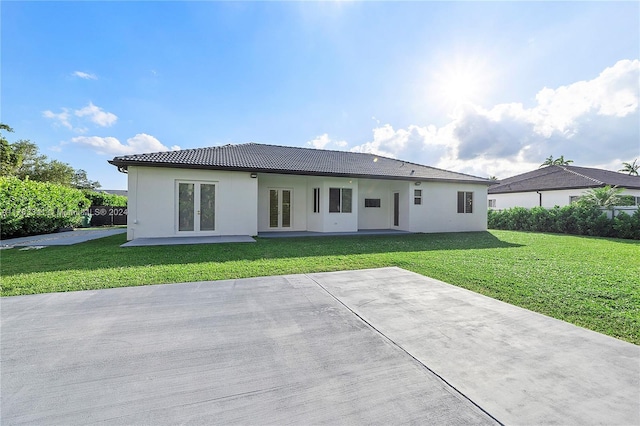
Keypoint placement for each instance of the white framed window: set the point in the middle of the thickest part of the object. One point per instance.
(417, 197)
(465, 202)
(316, 200)
(573, 199)
(492, 203)
(340, 200)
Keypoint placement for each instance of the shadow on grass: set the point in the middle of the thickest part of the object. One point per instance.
(107, 253)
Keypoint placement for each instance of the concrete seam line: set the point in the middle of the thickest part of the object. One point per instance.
(404, 350)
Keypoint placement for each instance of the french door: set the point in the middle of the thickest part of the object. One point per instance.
(280, 208)
(196, 205)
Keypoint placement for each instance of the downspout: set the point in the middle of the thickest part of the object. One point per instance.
(539, 198)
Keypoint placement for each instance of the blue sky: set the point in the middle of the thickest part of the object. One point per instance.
(483, 88)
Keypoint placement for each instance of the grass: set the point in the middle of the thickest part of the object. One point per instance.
(590, 282)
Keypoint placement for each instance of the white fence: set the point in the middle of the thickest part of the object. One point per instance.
(615, 211)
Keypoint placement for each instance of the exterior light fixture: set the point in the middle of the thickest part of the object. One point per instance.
(418, 183)
(253, 175)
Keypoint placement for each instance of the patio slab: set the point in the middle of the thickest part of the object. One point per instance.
(174, 241)
(296, 234)
(382, 346)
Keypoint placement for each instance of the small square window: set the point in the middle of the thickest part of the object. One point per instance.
(372, 202)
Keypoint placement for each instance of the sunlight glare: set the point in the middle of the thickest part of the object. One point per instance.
(460, 82)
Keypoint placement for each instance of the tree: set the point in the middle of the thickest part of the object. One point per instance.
(548, 162)
(10, 161)
(631, 168)
(23, 160)
(80, 181)
(31, 161)
(606, 196)
(560, 161)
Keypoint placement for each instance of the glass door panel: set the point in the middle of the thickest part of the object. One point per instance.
(286, 208)
(186, 197)
(273, 208)
(207, 207)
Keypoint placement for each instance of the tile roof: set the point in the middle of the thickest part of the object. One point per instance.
(564, 177)
(263, 158)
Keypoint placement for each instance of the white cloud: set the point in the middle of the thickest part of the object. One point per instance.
(85, 75)
(77, 120)
(589, 122)
(140, 143)
(324, 142)
(61, 119)
(97, 115)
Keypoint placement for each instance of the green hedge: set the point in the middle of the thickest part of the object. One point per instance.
(573, 219)
(31, 208)
(104, 199)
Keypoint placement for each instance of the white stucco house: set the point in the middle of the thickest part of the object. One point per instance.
(557, 186)
(251, 188)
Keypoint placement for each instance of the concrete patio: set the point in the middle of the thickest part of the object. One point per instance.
(382, 346)
(61, 238)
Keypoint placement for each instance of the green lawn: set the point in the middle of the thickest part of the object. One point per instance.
(591, 282)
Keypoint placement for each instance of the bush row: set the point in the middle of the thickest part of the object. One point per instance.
(104, 199)
(31, 208)
(573, 219)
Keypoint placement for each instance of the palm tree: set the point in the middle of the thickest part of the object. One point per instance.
(631, 168)
(547, 162)
(606, 196)
(560, 161)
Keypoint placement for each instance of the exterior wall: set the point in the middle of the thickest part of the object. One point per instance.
(152, 202)
(242, 203)
(338, 222)
(439, 209)
(303, 217)
(375, 217)
(550, 199)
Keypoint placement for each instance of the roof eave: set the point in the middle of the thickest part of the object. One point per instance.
(125, 164)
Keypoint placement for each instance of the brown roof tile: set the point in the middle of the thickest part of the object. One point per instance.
(293, 160)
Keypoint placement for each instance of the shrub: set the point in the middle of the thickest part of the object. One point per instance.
(626, 226)
(30, 208)
(104, 199)
(578, 219)
(541, 220)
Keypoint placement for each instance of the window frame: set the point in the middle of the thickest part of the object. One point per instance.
(465, 202)
(340, 200)
(372, 203)
(417, 197)
(316, 200)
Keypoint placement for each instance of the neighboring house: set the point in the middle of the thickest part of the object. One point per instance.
(557, 186)
(250, 188)
(122, 192)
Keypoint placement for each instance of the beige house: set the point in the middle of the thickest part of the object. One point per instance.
(249, 189)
